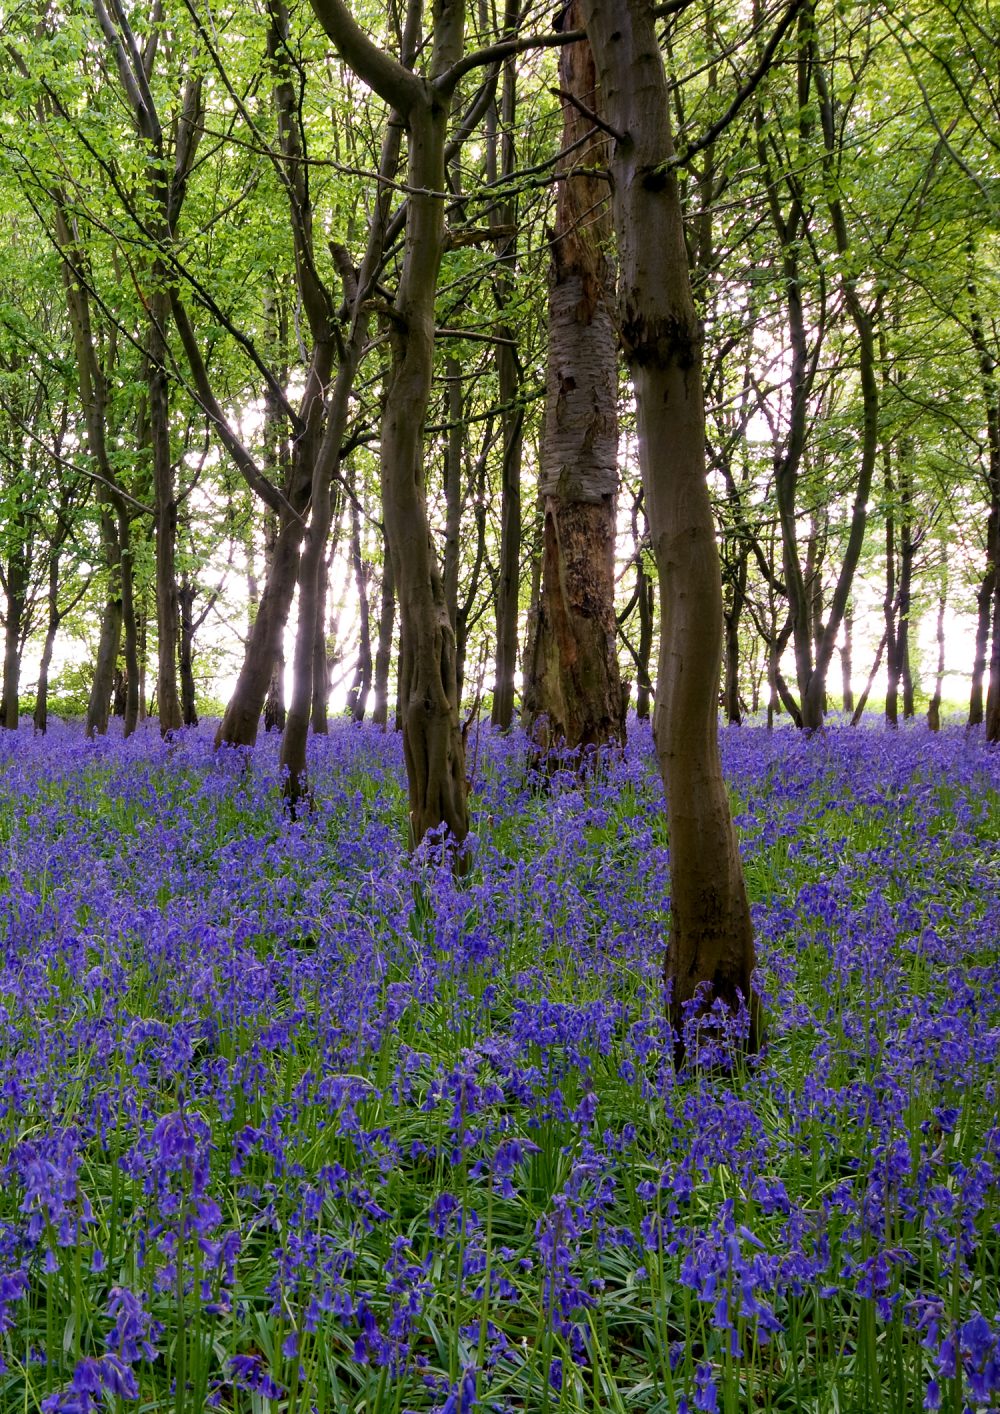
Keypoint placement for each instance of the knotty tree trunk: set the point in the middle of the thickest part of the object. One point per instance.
(573, 689)
(711, 950)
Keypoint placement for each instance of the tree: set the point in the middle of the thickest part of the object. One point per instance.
(711, 950)
(573, 690)
(432, 738)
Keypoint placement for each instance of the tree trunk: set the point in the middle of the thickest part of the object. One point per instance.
(984, 609)
(99, 703)
(357, 697)
(40, 717)
(863, 321)
(644, 686)
(573, 690)
(383, 654)
(17, 588)
(432, 735)
(189, 711)
(732, 614)
(859, 710)
(847, 664)
(262, 674)
(889, 603)
(130, 635)
(509, 379)
(711, 950)
(321, 661)
(319, 459)
(454, 450)
(141, 627)
(993, 694)
(989, 600)
(167, 614)
(934, 706)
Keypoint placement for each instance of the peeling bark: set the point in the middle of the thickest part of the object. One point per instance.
(573, 690)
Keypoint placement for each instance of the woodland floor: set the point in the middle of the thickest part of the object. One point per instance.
(291, 1122)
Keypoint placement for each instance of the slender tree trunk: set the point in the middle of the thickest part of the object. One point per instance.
(357, 697)
(112, 517)
(99, 703)
(644, 685)
(141, 630)
(130, 633)
(992, 718)
(453, 459)
(509, 380)
(934, 707)
(265, 651)
(859, 710)
(167, 613)
(889, 603)
(989, 594)
(40, 717)
(573, 690)
(17, 588)
(903, 629)
(321, 661)
(383, 654)
(732, 614)
(847, 664)
(863, 321)
(428, 687)
(711, 950)
(984, 607)
(185, 600)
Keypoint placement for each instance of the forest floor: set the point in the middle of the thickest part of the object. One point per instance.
(292, 1122)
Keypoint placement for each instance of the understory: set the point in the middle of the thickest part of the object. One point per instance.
(290, 1121)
